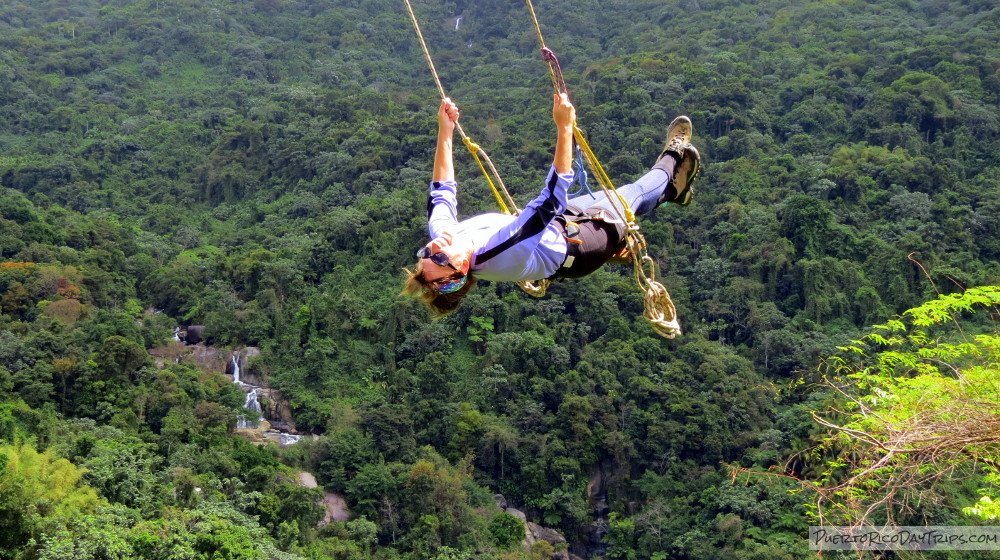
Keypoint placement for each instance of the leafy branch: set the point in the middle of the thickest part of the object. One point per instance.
(915, 410)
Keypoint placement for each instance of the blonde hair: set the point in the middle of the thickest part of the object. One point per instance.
(439, 304)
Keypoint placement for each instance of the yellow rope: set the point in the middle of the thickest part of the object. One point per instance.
(476, 151)
(541, 41)
(505, 201)
(602, 177)
(659, 308)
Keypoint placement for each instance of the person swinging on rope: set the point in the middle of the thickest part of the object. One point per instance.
(553, 237)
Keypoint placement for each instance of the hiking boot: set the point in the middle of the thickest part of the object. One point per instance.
(678, 135)
(684, 175)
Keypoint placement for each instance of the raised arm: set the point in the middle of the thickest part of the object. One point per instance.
(564, 114)
(444, 163)
(549, 203)
(442, 204)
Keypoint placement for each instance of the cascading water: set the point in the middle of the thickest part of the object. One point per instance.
(252, 404)
(236, 369)
(251, 401)
(597, 496)
(599, 528)
(289, 439)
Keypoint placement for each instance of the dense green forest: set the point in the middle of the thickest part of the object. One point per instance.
(260, 168)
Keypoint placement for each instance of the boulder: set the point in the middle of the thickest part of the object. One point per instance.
(249, 352)
(208, 358)
(334, 504)
(205, 357)
(276, 408)
(255, 435)
(538, 533)
(500, 500)
(194, 334)
(534, 532)
(518, 514)
(248, 374)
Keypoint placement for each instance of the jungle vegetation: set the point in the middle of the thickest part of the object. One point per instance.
(260, 168)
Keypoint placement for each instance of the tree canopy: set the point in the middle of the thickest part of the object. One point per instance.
(259, 169)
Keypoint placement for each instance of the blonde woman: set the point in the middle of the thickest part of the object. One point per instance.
(553, 237)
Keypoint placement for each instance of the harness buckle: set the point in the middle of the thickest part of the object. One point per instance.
(572, 230)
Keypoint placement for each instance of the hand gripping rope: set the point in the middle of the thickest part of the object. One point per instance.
(505, 201)
(500, 192)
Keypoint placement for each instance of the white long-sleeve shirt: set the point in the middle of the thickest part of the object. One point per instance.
(494, 246)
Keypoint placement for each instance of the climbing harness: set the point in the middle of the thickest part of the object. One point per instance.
(659, 308)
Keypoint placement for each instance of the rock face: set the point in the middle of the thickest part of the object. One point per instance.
(335, 505)
(538, 533)
(205, 357)
(255, 435)
(247, 374)
(277, 409)
(534, 532)
(274, 406)
(598, 499)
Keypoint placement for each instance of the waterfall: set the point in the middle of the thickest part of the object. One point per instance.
(236, 369)
(458, 20)
(599, 528)
(251, 403)
(251, 400)
(177, 334)
(598, 499)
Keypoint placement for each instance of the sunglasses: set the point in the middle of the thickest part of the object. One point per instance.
(448, 284)
(439, 259)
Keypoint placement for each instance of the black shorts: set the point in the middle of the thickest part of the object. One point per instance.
(600, 240)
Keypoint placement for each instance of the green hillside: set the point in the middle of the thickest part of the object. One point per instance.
(260, 168)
